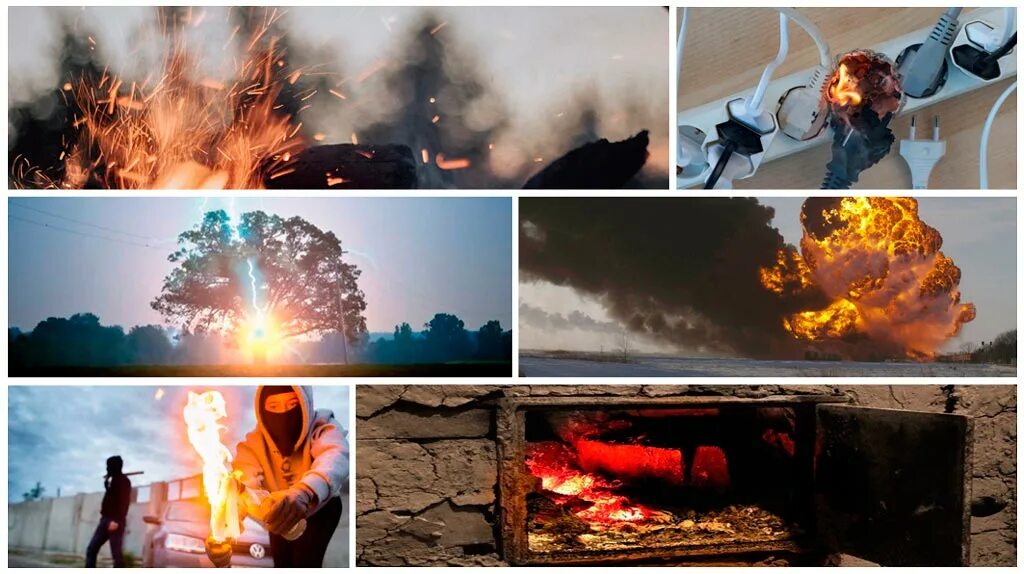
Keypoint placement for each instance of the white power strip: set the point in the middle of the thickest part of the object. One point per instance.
(707, 116)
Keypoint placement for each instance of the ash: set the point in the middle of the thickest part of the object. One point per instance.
(554, 531)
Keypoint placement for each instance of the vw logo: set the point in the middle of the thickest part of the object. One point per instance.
(257, 551)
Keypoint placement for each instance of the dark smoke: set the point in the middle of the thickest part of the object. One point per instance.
(678, 270)
(541, 319)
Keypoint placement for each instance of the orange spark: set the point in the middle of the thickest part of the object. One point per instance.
(451, 164)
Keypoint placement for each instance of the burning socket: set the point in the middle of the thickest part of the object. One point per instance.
(863, 96)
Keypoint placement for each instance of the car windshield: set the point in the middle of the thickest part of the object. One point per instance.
(188, 511)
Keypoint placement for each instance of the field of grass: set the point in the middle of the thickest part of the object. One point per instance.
(466, 369)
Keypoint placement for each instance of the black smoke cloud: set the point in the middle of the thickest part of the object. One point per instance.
(541, 319)
(683, 271)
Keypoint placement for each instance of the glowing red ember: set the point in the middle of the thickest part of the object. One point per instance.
(555, 464)
(631, 462)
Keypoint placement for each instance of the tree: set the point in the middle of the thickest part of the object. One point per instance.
(446, 338)
(287, 272)
(34, 493)
(79, 340)
(148, 345)
(490, 341)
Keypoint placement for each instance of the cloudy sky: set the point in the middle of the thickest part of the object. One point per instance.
(537, 61)
(108, 256)
(62, 436)
(979, 234)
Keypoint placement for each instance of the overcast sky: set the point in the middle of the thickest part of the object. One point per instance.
(62, 436)
(418, 256)
(537, 61)
(979, 234)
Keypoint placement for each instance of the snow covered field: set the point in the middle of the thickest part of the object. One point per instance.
(531, 365)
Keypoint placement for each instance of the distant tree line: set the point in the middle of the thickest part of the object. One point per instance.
(1002, 349)
(443, 339)
(82, 341)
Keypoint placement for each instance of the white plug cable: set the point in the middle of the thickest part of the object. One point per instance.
(922, 155)
(990, 38)
(755, 105)
(1009, 26)
(986, 131)
(683, 156)
(824, 56)
(681, 40)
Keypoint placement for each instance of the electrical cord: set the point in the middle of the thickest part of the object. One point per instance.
(986, 131)
(681, 40)
(824, 55)
(1005, 49)
(982, 64)
(1009, 24)
(727, 149)
(748, 120)
(755, 105)
(923, 66)
(682, 156)
(922, 155)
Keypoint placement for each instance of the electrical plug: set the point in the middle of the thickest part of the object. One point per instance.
(740, 146)
(922, 155)
(986, 36)
(976, 57)
(923, 66)
(690, 160)
(802, 110)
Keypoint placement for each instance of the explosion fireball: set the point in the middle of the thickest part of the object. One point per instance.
(891, 288)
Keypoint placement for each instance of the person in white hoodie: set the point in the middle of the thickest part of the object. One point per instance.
(301, 457)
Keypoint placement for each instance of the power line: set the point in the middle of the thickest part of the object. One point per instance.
(87, 224)
(82, 233)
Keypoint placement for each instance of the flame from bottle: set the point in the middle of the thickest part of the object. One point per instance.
(202, 415)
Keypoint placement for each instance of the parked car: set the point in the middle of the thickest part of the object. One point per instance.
(178, 539)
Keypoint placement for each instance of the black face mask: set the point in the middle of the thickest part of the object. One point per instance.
(284, 428)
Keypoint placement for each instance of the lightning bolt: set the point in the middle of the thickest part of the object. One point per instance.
(252, 284)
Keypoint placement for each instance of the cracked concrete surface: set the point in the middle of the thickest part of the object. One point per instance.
(427, 470)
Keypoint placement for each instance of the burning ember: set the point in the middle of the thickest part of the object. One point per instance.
(172, 130)
(605, 486)
(202, 415)
(891, 288)
(556, 465)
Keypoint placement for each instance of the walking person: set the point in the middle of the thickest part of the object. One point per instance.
(113, 515)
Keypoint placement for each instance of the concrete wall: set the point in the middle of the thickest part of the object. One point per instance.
(66, 524)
